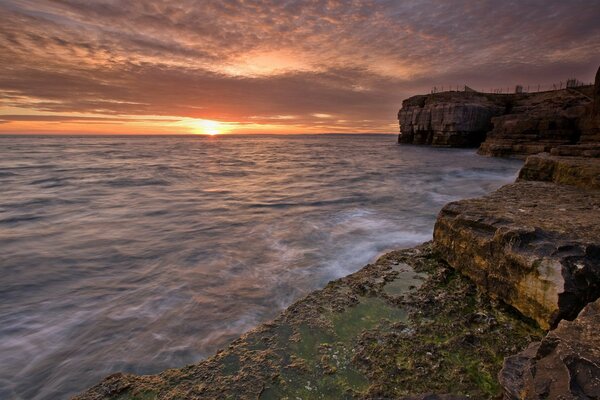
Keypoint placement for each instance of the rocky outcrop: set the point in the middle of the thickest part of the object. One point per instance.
(503, 125)
(534, 245)
(590, 124)
(579, 150)
(564, 365)
(566, 170)
(450, 119)
(537, 123)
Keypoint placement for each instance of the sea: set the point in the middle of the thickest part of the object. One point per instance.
(141, 253)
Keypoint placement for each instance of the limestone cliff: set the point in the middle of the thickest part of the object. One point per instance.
(537, 123)
(451, 119)
(504, 125)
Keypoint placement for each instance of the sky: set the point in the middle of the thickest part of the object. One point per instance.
(248, 66)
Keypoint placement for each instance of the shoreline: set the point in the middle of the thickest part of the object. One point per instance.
(504, 302)
(399, 314)
(411, 324)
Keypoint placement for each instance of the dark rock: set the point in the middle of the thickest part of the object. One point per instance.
(590, 125)
(533, 245)
(450, 119)
(564, 365)
(537, 123)
(504, 125)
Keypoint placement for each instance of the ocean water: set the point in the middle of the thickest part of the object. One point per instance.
(144, 253)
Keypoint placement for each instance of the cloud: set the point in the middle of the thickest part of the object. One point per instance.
(77, 118)
(243, 61)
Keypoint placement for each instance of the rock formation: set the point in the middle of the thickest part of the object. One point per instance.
(534, 245)
(537, 123)
(503, 125)
(564, 365)
(432, 322)
(583, 172)
(590, 125)
(451, 119)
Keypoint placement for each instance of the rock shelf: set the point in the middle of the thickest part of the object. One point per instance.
(403, 327)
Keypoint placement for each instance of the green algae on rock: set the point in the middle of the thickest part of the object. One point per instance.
(403, 326)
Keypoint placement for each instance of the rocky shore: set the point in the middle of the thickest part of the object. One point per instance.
(503, 303)
(405, 326)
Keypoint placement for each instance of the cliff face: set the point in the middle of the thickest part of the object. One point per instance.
(504, 125)
(537, 123)
(535, 245)
(590, 125)
(452, 119)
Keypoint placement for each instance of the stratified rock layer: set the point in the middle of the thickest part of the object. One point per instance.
(534, 245)
(450, 119)
(537, 123)
(583, 172)
(503, 125)
(564, 365)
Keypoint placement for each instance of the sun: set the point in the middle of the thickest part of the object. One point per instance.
(207, 127)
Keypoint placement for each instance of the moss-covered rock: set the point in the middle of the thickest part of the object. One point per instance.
(404, 326)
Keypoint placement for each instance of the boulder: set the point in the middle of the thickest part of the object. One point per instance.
(533, 245)
(564, 365)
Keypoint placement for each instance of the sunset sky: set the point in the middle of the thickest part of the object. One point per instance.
(235, 66)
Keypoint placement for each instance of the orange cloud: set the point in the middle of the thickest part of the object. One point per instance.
(271, 65)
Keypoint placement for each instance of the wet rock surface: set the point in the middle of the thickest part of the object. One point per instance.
(407, 326)
(564, 365)
(534, 245)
